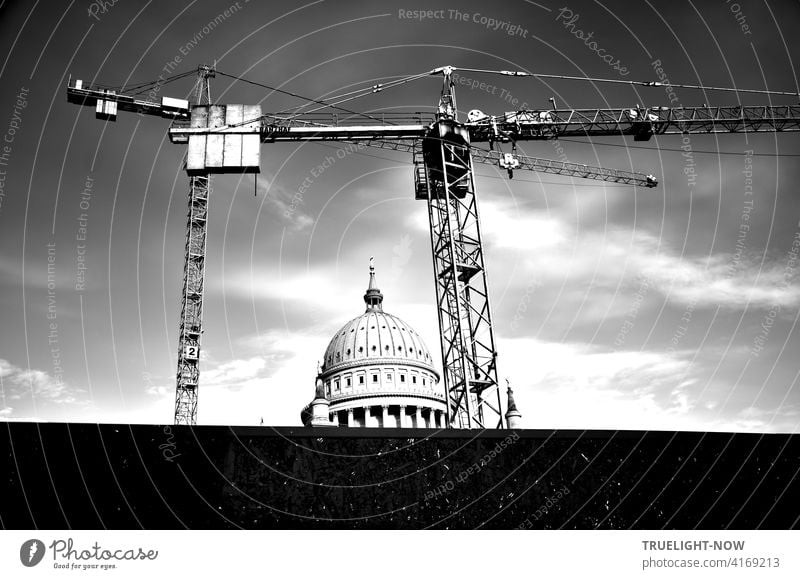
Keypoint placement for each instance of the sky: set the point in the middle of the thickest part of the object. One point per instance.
(615, 307)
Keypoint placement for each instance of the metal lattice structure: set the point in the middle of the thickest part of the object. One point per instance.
(225, 138)
(191, 323)
(469, 356)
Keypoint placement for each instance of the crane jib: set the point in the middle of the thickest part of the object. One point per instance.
(537, 125)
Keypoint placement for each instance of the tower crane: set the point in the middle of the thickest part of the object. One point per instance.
(226, 138)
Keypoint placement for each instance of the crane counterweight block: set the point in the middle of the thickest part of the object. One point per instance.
(224, 139)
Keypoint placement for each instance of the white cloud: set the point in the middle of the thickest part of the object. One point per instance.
(235, 372)
(291, 285)
(35, 390)
(503, 228)
(245, 390)
(19, 383)
(580, 386)
(284, 205)
(556, 251)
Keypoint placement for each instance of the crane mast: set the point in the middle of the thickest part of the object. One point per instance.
(446, 180)
(225, 138)
(190, 330)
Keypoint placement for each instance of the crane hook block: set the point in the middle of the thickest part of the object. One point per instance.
(510, 162)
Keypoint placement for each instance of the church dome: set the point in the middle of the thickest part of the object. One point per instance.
(372, 336)
(375, 335)
(377, 371)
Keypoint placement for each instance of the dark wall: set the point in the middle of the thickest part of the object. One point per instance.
(122, 476)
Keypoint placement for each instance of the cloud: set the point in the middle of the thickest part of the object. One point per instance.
(580, 386)
(555, 251)
(537, 231)
(754, 419)
(19, 382)
(283, 205)
(246, 389)
(32, 389)
(236, 373)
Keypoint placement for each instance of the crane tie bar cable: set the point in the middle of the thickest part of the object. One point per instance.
(326, 104)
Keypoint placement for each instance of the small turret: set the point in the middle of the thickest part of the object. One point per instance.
(320, 407)
(513, 416)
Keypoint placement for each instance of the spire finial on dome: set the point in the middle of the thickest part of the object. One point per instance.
(373, 298)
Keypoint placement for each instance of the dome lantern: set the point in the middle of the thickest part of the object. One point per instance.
(373, 298)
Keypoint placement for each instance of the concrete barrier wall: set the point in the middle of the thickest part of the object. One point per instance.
(132, 476)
